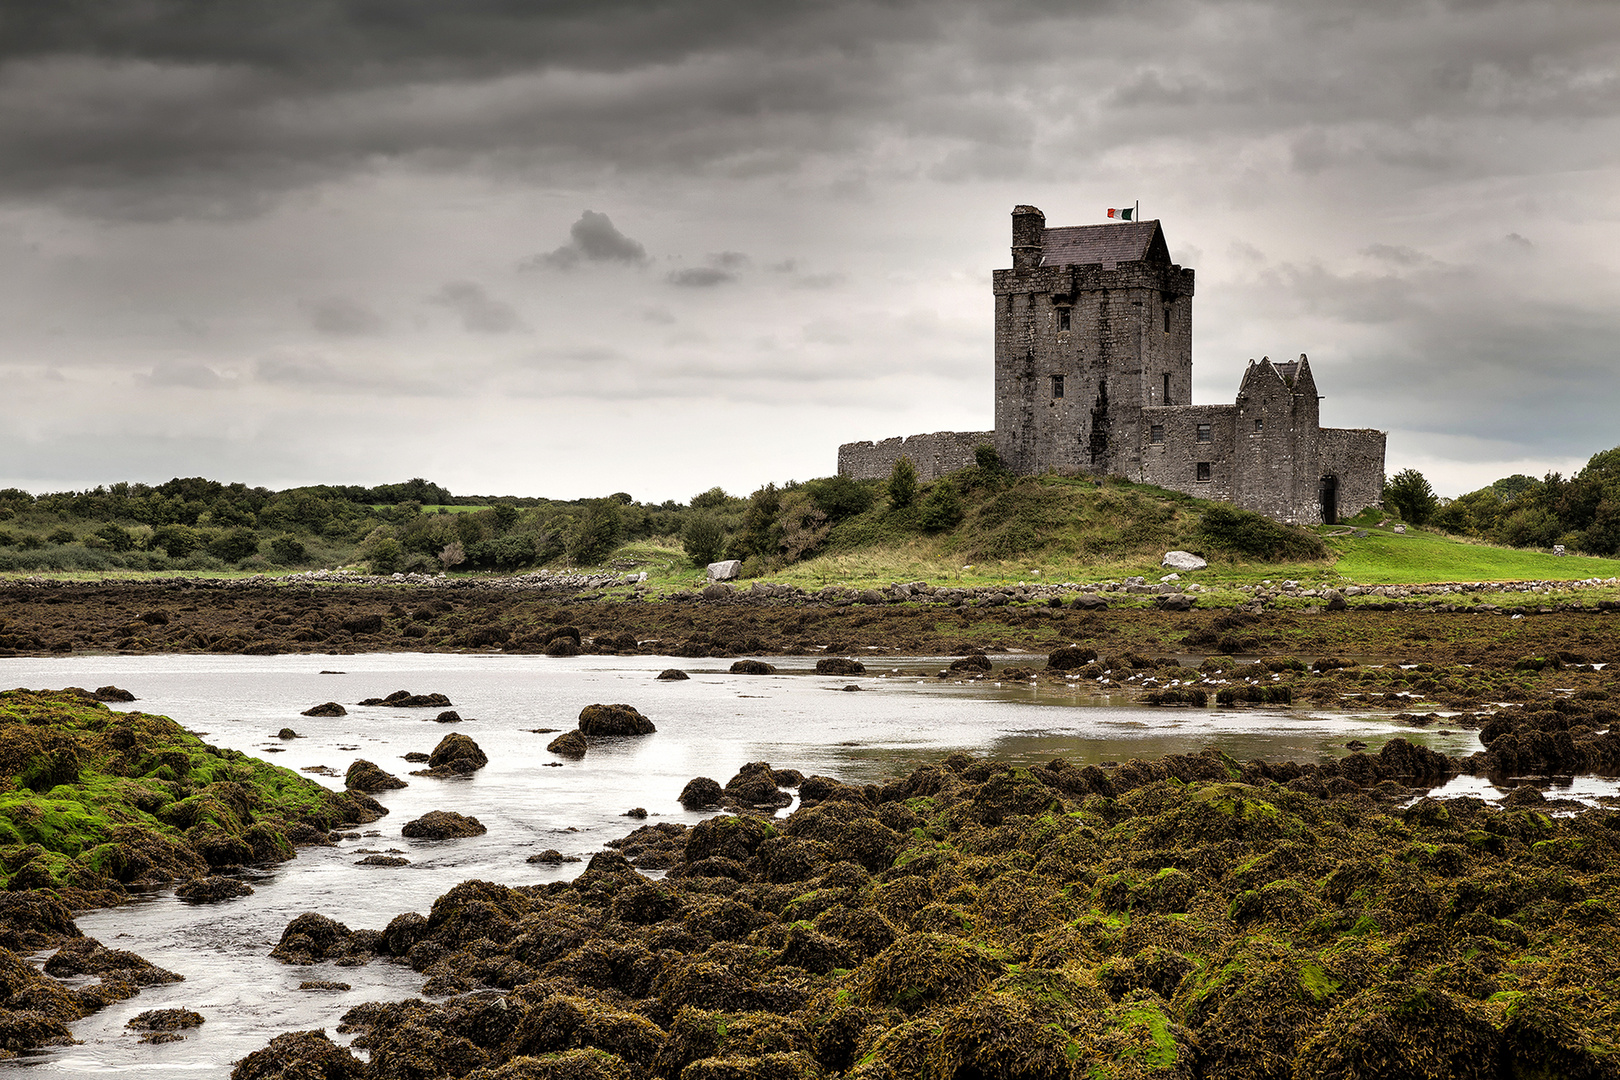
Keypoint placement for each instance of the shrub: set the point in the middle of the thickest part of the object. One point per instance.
(288, 550)
(383, 555)
(840, 497)
(503, 553)
(116, 537)
(235, 545)
(62, 535)
(1241, 532)
(713, 499)
(177, 541)
(453, 555)
(941, 508)
(703, 539)
(902, 488)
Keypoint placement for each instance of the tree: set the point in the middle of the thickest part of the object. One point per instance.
(1409, 495)
(713, 499)
(453, 555)
(383, 555)
(703, 539)
(840, 497)
(902, 483)
(288, 550)
(236, 545)
(597, 533)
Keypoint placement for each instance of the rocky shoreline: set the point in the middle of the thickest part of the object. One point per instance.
(1192, 916)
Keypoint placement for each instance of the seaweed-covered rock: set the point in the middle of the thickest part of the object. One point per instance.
(597, 720)
(1069, 658)
(701, 793)
(970, 663)
(404, 699)
(212, 889)
(300, 1055)
(442, 825)
(672, 675)
(366, 776)
(570, 744)
(755, 786)
(329, 708)
(312, 937)
(113, 693)
(456, 754)
(164, 1020)
(839, 665)
(752, 667)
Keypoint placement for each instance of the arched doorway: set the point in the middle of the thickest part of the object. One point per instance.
(1330, 499)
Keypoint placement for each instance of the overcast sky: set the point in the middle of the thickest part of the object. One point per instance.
(582, 246)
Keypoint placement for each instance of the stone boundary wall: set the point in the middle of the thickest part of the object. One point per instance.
(934, 454)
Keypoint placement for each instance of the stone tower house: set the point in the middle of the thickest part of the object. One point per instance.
(1093, 374)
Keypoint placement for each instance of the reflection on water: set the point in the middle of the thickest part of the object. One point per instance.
(709, 725)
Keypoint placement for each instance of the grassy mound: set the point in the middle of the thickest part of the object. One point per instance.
(1192, 916)
(93, 800)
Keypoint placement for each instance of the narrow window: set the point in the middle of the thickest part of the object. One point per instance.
(1203, 471)
(1156, 434)
(1167, 318)
(1063, 318)
(1259, 425)
(1165, 400)
(1057, 386)
(1203, 433)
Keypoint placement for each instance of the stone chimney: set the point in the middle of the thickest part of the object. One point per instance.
(1028, 237)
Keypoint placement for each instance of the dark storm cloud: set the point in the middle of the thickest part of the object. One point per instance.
(480, 313)
(169, 107)
(593, 238)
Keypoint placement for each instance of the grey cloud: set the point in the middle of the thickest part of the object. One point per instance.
(700, 277)
(729, 260)
(593, 238)
(181, 374)
(317, 373)
(480, 313)
(342, 317)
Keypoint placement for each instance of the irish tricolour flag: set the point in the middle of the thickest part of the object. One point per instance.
(1127, 214)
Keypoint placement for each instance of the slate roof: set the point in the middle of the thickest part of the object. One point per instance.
(1076, 245)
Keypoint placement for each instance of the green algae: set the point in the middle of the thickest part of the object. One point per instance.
(92, 800)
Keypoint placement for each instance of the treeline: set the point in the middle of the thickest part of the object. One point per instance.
(415, 526)
(1581, 512)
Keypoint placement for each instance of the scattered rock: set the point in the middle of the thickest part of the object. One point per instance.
(974, 662)
(449, 716)
(551, 857)
(1182, 561)
(570, 745)
(288, 733)
(206, 890)
(330, 708)
(442, 825)
(297, 1055)
(324, 984)
(456, 755)
(752, 667)
(368, 777)
(639, 813)
(404, 699)
(597, 720)
(387, 860)
(415, 757)
(754, 786)
(851, 688)
(1070, 657)
(112, 693)
(839, 665)
(673, 674)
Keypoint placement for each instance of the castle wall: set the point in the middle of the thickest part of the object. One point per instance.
(1173, 461)
(934, 455)
(1356, 457)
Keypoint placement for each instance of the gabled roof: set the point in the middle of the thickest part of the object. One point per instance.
(1130, 241)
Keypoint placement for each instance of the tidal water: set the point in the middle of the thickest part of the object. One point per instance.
(530, 800)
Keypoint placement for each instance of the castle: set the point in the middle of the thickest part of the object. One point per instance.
(1094, 375)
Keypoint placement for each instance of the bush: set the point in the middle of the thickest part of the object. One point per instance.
(840, 497)
(1241, 532)
(713, 499)
(941, 508)
(383, 555)
(502, 553)
(288, 550)
(453, 555)
(116, 537)
(177, 541)
(62, 535)
(703, 539)
(235, 545)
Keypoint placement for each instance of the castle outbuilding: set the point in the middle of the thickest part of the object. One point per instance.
(1093, 374)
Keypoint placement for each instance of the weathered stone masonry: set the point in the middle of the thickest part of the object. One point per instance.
(1093, 373)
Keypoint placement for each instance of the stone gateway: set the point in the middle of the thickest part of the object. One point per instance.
(1094, 375)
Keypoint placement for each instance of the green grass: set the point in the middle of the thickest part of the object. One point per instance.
(1387, 557)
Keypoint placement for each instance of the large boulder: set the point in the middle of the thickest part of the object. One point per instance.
(726, 570)
(701, 793)
(457, 753)
(753, 667)
(613, 720)
(1070, 657)
(838, 665)
(330, 708)
(1182, 560)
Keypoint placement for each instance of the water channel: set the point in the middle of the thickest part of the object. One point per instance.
(530, 800)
